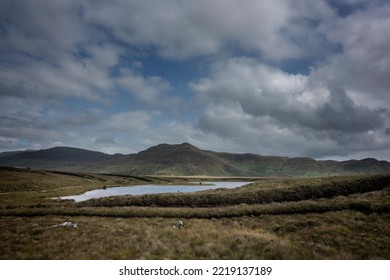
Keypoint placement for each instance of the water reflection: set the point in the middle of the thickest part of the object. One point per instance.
(153, 189)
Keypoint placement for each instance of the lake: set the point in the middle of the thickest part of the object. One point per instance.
(154, 189)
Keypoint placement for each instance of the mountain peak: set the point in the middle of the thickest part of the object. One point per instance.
(186, 159)
(169, 147)
(186, 144)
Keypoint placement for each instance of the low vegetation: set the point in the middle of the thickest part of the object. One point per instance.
(271, 218)
(256, 193)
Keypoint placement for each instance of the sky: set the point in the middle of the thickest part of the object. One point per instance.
(272, 77)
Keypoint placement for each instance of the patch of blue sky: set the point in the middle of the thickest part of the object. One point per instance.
(299, 66)
(80, 52)
(178, 72)
(343, 8)
(126, 100)
(78, 104)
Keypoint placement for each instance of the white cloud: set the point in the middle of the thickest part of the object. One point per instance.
(42, 28)
(129, 121)
(66, 77)
(105, 140)
(363, 65)
(180, 29)
(105, 56)
(146, 89)
(255, 103)
(176, 132)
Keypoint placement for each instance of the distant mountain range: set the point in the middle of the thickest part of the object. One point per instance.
(185, 159)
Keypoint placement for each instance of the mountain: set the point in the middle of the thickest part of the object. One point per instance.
(165, 159)
(61, 158)
(185, 159)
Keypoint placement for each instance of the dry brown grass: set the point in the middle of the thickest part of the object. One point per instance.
(335, 235)
(350, 226)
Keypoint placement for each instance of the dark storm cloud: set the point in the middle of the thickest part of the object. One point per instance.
(342, 114)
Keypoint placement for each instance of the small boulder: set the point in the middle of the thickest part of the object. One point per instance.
(180, 224)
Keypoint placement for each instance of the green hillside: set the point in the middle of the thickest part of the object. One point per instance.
(185, 159)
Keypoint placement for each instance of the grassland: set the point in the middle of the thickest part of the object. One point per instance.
(272, 218)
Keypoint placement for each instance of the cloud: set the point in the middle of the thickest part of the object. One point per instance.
(66, 77)
(130, 121)
(342, 114)
(253, 102)
(176, 132)
(86, 117)
(276, 77)
(146, 89)
(8, 143)
(105, 140)
(41, 28)
(50, 51)
(56, 69)
(179, 30)
(363, 66)
(23, 127)
(288, 98)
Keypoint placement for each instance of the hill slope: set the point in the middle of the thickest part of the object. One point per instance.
(165, 159)
(61, 158)
(185, 159)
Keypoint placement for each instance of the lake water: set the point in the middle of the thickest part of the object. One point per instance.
(154, 189)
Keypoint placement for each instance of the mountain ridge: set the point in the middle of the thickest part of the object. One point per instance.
(186, 159)
(52, 158)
